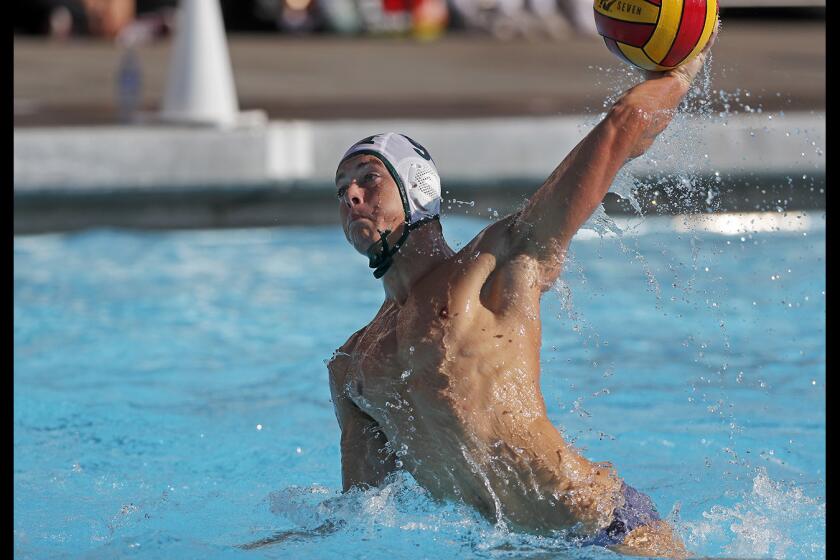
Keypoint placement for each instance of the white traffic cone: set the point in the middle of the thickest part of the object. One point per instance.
(200, 88)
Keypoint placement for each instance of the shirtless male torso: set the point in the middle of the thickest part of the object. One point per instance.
(445, 380)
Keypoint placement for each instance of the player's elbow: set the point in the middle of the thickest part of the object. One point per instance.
(634, 127)
(630, 118)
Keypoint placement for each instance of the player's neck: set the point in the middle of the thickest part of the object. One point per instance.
(424, 249)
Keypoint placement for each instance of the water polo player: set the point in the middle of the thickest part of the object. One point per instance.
(444, 381)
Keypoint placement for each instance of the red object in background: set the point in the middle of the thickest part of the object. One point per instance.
(396, 5)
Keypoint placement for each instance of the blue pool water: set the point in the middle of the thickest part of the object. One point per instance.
(171, 399)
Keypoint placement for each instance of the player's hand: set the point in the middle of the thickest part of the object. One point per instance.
(687, 72)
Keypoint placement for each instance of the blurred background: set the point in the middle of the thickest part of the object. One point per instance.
(458, 55)
(290, 69)
(504, 19)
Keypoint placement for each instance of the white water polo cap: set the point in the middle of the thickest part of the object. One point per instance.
(412, 168)
(418, 182)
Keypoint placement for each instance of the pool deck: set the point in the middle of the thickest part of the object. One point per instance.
(467, 98)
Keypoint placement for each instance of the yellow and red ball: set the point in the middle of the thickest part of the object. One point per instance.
(656, 34)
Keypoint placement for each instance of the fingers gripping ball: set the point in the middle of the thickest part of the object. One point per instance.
(656, 34)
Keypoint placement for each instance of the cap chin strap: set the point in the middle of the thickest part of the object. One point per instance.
(381, 255)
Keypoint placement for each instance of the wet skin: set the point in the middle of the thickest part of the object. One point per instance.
(444, 381)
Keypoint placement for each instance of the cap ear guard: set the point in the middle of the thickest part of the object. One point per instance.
(423, 190)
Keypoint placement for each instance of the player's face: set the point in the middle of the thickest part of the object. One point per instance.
(369, 201)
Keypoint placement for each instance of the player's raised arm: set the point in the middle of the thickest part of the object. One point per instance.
(545, 227)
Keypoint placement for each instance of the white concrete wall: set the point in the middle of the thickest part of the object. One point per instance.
(117, 158)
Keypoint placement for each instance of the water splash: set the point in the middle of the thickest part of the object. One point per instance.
(763, 523)
(401, 509)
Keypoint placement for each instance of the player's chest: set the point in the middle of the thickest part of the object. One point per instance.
(404, 349)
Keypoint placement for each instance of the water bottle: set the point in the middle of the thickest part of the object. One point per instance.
(129, 82)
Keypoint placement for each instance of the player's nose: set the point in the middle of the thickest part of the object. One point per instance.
(353, 195)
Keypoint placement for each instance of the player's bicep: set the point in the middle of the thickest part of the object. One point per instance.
(527, 259)
(542, 249)
(521, 263)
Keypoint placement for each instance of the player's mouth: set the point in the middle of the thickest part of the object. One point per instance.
(354, 217)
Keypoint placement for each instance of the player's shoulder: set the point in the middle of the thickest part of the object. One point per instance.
(494, 238)
(340, 359)
(347, 348)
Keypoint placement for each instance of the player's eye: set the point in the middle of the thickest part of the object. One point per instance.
(341, 191)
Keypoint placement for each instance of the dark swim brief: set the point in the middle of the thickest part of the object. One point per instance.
(636, 511)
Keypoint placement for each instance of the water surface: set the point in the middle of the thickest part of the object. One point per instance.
(171, 398)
